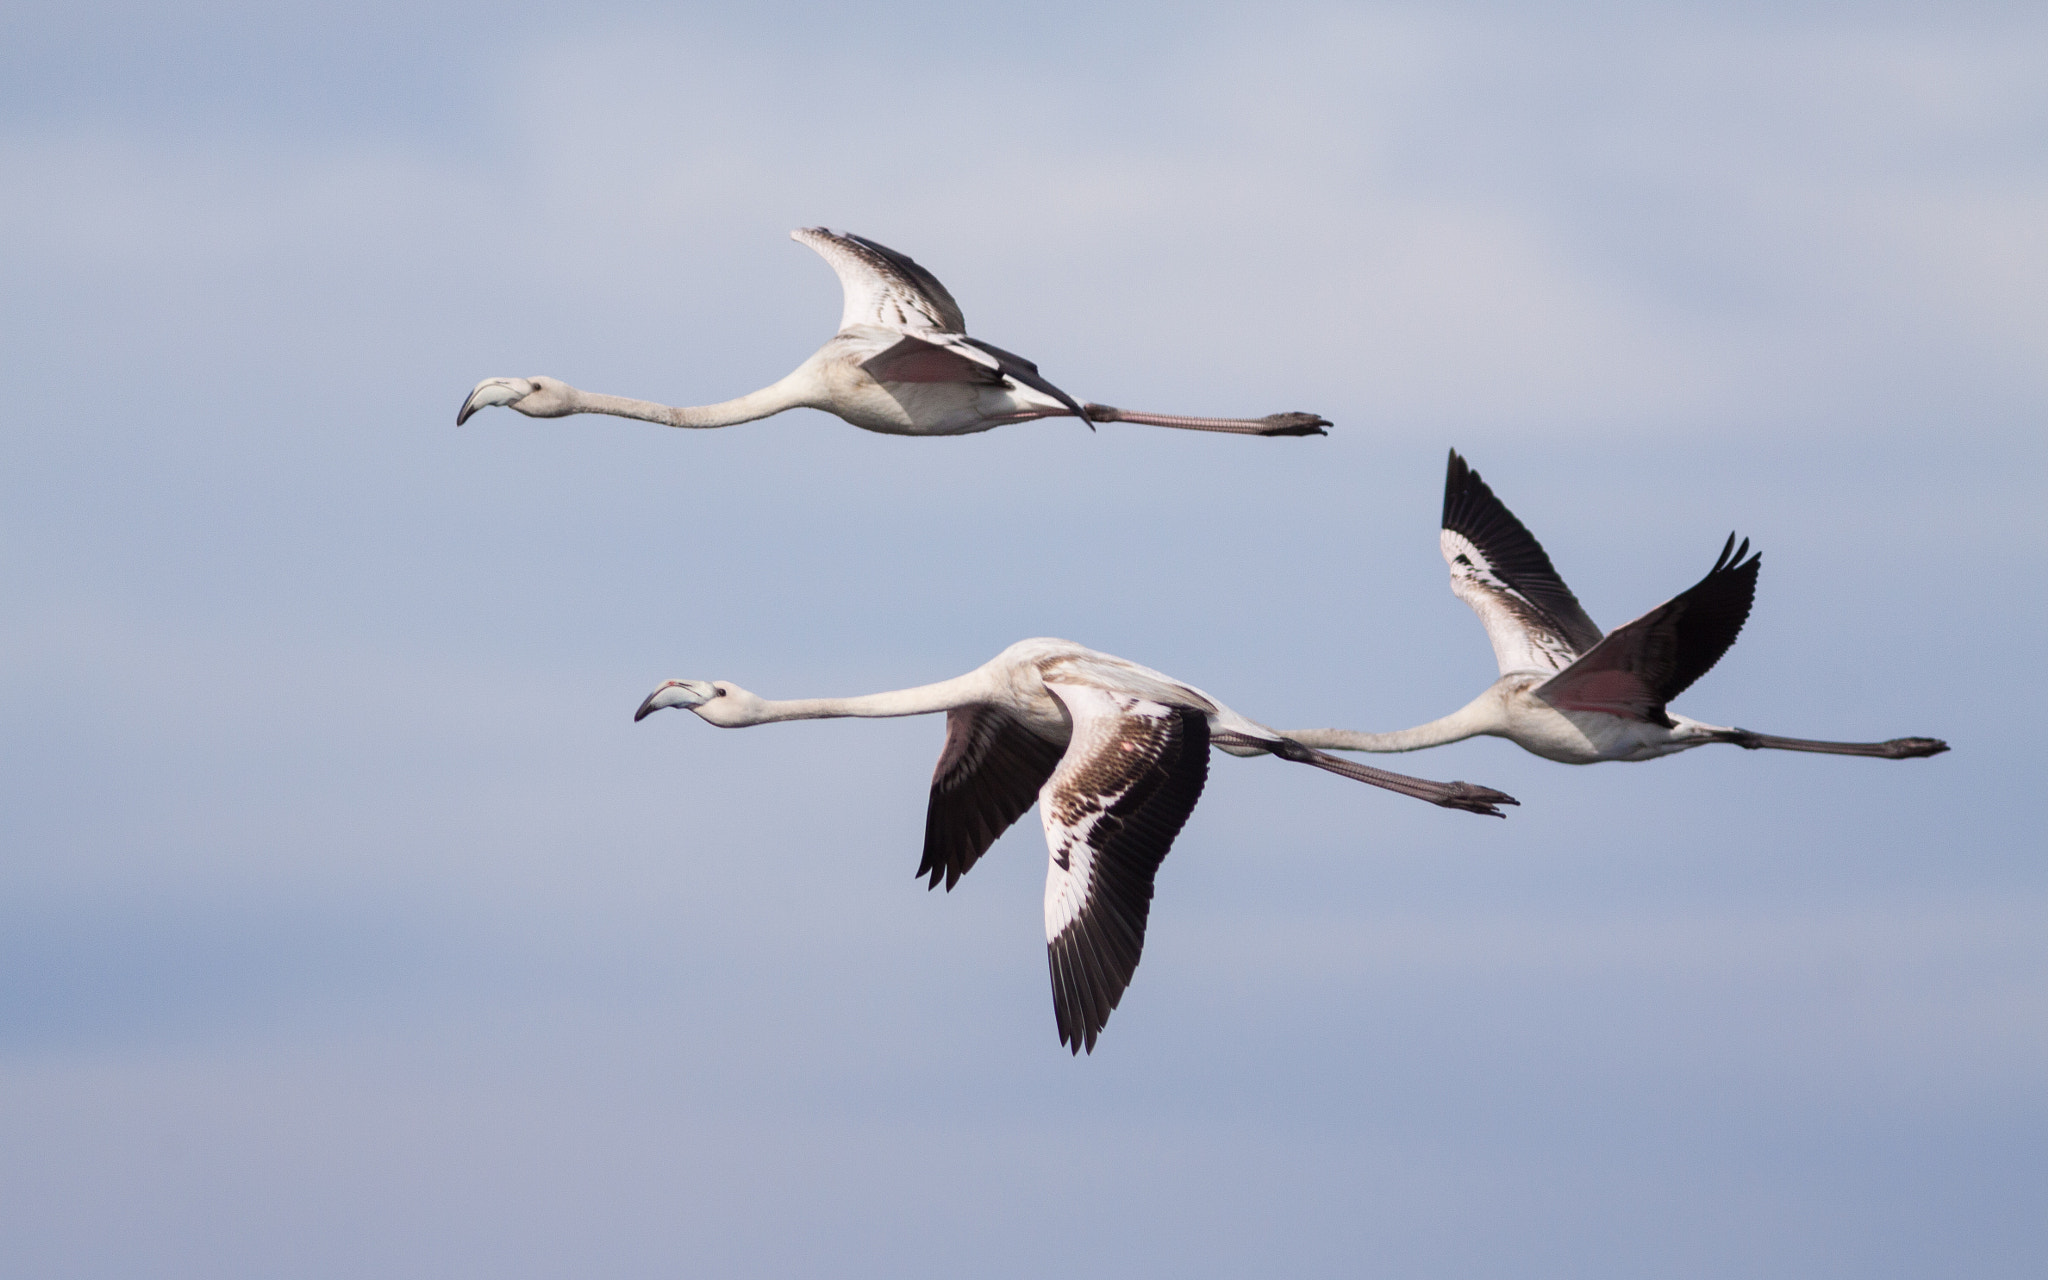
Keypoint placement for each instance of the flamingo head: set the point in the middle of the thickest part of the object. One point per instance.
(678, 693)
(534, 397)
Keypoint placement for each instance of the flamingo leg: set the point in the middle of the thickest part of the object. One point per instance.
(1468, 796)
(1273, 424)
(1894, 749)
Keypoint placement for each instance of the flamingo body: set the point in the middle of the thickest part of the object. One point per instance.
(1114, 754)
(1567, 692)
(901, 364)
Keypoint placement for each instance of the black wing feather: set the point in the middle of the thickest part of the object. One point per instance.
(987, 776)
(1026, 372)
(1712, 613)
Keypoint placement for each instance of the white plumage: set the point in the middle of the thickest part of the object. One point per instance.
(1567, 692)
(901, 364)
(1114, 754)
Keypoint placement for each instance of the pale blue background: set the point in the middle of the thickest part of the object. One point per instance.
(349, 926)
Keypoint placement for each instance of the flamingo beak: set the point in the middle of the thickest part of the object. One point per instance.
(676, 693)
(493, 391)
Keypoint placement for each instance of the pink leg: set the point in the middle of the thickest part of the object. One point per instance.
(1273, 424)
(1895, 749)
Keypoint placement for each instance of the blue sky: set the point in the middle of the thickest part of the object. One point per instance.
(349, 926)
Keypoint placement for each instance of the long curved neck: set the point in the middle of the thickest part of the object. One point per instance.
(737, 708)
(794, 391)
(1481, 715)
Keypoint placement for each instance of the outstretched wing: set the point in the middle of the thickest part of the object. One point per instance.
(882, 286)
(1498, 567)
(1645, 664)
(914, 359)
(1021, 370)
(1124, 788)
(988, 775)
(941, 357)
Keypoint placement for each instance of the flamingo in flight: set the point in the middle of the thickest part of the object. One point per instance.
(1566, 692)
(901, 364)
(1115, 755)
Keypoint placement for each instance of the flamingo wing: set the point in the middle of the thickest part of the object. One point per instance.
(1498, 567)
(935, 357)
(989, 773)
(1128, 780)
(1644, 664)
(1018, 369)
(916, 359)
(883, 287)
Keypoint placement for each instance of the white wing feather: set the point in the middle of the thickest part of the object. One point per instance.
(1523, 640)
(881, 292)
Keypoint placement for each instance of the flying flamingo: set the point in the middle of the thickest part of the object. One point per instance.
(1565, 691)
(901, 364)
(1114, 753)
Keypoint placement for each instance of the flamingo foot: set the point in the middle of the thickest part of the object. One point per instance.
(1473, 798)
(1909, 748)
(1295, 424)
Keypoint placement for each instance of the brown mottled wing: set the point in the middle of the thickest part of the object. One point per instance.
(1498, 567)
(1643, 665)
(987, 776)
(1124, 788)
(883, 287)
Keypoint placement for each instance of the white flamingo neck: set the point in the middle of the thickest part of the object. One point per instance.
(795, 391)
(1483, 715)
(737, 708)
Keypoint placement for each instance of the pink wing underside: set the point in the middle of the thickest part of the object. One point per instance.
(914, 361)
(1597, 682)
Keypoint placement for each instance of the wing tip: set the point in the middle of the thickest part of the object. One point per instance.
(945, 867)
(1072, 1006)
(1710, 619)
(1469, 502)
(1456, 472)
(1736, 562)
